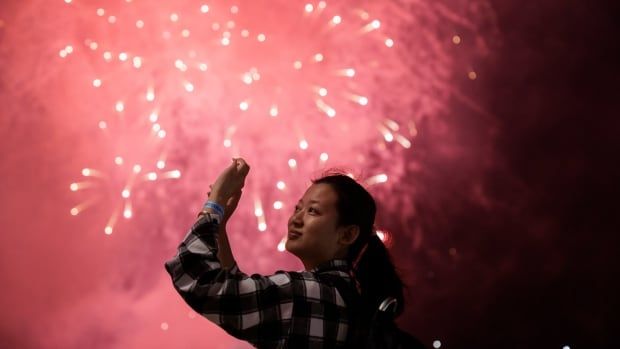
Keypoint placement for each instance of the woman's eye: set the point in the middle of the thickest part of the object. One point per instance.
(312, 209)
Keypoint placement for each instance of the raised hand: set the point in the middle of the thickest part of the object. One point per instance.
(226, 190)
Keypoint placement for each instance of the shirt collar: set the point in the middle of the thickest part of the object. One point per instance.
(333, 264)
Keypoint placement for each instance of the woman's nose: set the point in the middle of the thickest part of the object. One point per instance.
(296, 218)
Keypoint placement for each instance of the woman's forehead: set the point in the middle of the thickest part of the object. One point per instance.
(321, 193)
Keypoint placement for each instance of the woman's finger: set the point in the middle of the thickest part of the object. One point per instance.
(243, 167)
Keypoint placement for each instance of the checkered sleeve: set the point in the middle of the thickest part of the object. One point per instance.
(254, 308)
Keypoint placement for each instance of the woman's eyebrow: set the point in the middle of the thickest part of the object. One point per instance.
(310, 202)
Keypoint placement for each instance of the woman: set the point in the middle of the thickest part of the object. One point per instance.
(330, 231)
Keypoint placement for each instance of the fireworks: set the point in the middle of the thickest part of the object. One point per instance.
(124, 181)
(127, 94)
(296, 87)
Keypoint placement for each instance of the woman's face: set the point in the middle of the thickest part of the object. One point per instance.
(313, 235)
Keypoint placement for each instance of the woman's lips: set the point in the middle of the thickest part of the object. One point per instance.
(292, 235)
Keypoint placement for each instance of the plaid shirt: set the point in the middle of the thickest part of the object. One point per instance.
(284, 310)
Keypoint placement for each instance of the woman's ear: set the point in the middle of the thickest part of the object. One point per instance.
(349, 234)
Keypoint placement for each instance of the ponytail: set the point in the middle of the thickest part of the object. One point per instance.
(376, 274)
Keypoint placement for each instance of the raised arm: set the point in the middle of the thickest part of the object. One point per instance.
(204, 272)
(226, 192)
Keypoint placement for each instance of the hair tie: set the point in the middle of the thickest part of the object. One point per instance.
(358, 286)
(359, 256)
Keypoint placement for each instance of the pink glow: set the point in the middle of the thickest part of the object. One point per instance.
(154, 98)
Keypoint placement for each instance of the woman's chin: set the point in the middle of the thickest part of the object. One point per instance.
(291, 247)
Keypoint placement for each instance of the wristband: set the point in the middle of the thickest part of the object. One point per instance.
(215, 207)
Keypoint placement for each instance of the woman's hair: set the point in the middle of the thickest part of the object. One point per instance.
(372, 264)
